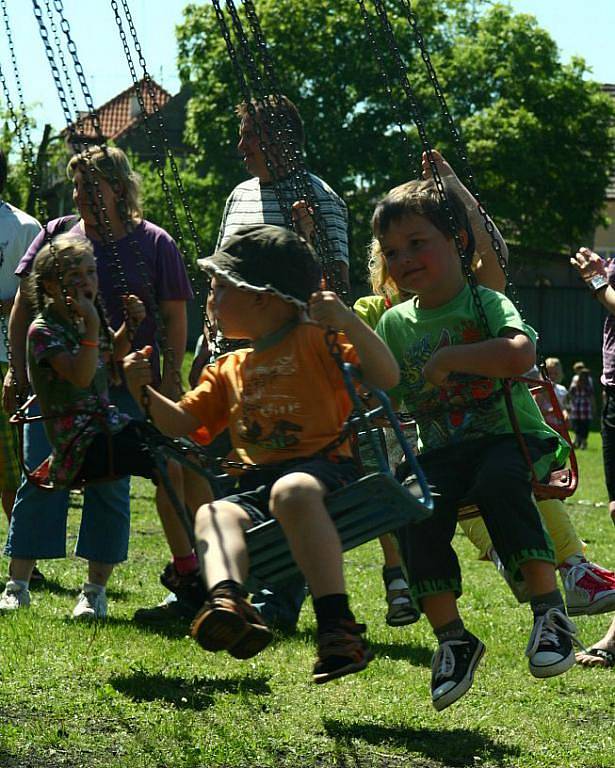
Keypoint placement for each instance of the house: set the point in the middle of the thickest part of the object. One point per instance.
(122, 122)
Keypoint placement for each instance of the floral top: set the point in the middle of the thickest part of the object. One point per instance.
(73, 416)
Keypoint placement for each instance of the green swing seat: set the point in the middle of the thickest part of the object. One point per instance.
(361, 511)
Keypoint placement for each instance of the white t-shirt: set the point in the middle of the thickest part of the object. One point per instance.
(17, 230)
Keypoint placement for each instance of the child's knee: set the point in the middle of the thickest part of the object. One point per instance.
(217, 516)
(295, 492)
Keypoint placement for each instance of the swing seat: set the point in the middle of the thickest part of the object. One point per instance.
(374, 505)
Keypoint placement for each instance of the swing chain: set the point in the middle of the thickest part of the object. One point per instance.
(461, 151)
(297, 166)
(415, 109)
(166, 149)
(388, 88)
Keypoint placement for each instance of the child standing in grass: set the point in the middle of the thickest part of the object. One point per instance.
(70, 351)
(284, 401)
(449, 368)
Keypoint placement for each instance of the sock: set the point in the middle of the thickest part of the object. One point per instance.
(184, 565)
(331, 608)
(573, 560)
(89, 586)
(454, 630)
(21, 584)
(541, 603)
(394, 577)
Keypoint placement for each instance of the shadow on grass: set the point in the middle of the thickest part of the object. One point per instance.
(171, 629)
(417, 655)
(457, 747)
(196, 694)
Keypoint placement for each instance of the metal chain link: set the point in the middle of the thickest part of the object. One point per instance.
(415, 164)
(416, 113)
(296, 161)
(166, 151)
(128, 226)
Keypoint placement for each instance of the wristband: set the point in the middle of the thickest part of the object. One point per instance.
(597, 283)
(86, 343)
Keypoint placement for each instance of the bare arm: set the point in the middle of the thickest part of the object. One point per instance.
(378, 365)
(510, 355)
(16, 380)
(175, 321)
(170, 419)
(488, 270)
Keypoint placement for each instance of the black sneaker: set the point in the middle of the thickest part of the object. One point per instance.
(452, 669)
(550, 649)
(169, 610)
(188, 587)
(342, 650)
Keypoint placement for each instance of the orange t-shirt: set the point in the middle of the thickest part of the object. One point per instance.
(281, 400)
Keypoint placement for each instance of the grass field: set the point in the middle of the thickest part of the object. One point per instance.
(117, 695)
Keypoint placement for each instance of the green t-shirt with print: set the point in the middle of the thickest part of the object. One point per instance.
(468, 407)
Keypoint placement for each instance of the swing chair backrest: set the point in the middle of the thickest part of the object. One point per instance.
(563, 481)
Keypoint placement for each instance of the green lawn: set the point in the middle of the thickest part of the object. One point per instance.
(117, 695)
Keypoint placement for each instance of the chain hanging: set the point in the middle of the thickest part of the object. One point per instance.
(166, 151)
(416, 112)
(297, 163)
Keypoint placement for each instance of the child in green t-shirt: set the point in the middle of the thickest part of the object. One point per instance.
(450, 368)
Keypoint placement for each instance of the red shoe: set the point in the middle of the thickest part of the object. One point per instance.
(589, 588)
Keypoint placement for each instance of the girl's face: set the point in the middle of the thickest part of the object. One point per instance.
(80, 278)
(421, 259)
(85, 190)
(232, 309)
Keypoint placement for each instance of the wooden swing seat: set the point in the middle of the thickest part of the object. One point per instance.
(374, 505)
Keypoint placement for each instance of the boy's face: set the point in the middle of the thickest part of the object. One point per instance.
(420, 258)
(555, 372)
(232, 309)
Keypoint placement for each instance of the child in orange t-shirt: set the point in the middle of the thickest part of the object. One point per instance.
(284, 402)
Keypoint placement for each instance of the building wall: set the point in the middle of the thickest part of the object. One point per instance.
(604, 242)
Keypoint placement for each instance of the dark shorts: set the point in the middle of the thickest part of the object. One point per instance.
(122, 453)
(254, 488)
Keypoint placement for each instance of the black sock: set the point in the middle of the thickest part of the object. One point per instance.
(331, 608)
(541, 603)
(454, 630)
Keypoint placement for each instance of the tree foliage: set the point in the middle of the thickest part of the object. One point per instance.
(537, 132)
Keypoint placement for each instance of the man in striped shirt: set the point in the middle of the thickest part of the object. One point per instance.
(257, 201)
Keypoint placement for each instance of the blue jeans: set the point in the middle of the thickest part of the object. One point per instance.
(281, 608)
(38, 524)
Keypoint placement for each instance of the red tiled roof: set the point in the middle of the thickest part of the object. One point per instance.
(123, 112)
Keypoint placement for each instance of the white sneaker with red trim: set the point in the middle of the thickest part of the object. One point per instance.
(589, 588)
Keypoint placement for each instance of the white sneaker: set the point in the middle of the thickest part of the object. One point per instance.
(92, 603)
(589, 588)
(518, 588)
(16, 595)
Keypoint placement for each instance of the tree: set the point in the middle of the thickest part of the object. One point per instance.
(538, 134)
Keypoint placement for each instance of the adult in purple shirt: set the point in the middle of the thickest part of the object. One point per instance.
(148, 264)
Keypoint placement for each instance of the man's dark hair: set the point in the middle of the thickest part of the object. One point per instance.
(3, 170)
(282, 108)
